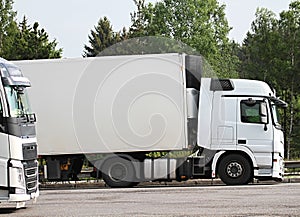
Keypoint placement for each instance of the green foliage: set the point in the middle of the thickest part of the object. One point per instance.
(7, 23)
(23, 42)
(31, 43)
(259, 54)
(147, 45)
(172, 154)
(271, 52)
(200, 24)
(102, 37)
(190, 26)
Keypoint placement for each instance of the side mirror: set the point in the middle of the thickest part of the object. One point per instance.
(31, 117)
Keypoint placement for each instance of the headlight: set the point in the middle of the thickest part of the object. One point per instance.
(17, 178)
(20, 177)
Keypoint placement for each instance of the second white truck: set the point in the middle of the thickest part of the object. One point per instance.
(153, 117)
(18, 145)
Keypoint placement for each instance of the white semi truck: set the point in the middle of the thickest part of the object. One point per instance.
(18, 152)
(122, 112)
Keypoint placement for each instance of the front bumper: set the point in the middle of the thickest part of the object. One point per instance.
(23, 197)
(278, 167)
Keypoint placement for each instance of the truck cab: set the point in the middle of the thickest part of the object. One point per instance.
(244, 129)
(18, 152)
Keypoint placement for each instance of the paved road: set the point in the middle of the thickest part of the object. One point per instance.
(253, 200)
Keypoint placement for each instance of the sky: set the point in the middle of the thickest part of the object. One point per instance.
(70, 22)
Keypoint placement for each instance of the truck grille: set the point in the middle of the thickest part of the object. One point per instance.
(29, 151)
(31, 186)
(30, 172)
(31, 175)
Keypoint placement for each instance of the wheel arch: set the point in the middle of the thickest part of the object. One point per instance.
(246, 153)
(135, 163)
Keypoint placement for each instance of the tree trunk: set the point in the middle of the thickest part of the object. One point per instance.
(291, 121)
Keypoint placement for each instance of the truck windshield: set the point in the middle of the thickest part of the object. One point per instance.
(18, 101)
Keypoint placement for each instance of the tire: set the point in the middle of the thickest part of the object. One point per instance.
(235, 169)
(118, 172)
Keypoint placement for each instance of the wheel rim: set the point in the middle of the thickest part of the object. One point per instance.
(117, 172)
(234, 169)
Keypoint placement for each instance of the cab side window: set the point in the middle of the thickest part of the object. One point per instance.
(1, 109)
(253, 111)
(2, 119)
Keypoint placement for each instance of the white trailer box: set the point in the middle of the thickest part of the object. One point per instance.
(109, 104)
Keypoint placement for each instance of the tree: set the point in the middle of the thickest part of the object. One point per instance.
(8, 25)
(271, 52)
(258, 47)
(30, 43)
(199, 24)
(102, 37)
(289, 29)
(139, 19)
(25, 42)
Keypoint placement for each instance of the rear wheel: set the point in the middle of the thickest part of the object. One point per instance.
(118, 172)
(235, 169)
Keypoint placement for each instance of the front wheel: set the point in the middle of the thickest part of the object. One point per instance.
(235, 169)
(118, 172)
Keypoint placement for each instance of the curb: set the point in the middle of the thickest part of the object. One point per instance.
(93, 184)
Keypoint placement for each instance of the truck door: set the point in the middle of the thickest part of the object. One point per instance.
(254, 129)
(223, 122)
(4, 147)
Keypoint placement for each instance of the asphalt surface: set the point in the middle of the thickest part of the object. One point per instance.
(253, 200)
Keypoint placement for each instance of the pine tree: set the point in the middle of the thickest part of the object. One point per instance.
(102, 37)
(31, 43)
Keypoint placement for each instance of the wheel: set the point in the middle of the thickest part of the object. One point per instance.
(235, 169)
(118, 172)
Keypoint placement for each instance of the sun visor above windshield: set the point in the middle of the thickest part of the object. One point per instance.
(12, 75)
(16, 81)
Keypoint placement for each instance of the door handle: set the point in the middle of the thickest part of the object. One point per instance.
(242, 141)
